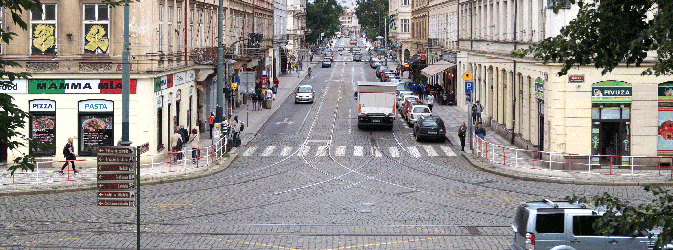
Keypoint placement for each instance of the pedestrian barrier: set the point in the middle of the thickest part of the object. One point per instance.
(575, 163)
(157, 165)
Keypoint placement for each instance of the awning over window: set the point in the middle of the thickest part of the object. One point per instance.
(436, 68)
(414, 59)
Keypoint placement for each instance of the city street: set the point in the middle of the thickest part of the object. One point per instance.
(310, 179)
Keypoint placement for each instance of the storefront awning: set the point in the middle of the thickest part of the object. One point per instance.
(436, 68)
(414, 59)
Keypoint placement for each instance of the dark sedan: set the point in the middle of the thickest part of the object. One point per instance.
(431, 127)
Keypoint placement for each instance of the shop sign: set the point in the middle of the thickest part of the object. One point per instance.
(164, 82)
(17, 86)
(160, 101)
(178, 95)
(66, 86)
(96, 106)
(666, 92)
(42, 106)
(539, 88)
(179, 78)
(576, 78)
(611, 91)
(665, 135)
(190, 91)
(190, 75)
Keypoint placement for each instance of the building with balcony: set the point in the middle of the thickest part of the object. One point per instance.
(525, 100)
(296, 27)
(400, 10)
(442, 44)
(349, 23)
(279, 37)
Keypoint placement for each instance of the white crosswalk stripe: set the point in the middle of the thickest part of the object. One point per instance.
(358, 151)
(414, 152)
(431, 151)
(394, 152)
(448, 151)
(268, 150)
(376, 152)
(322, 150)
(304, 150)
(341, 151)
(286, 151)
(249, 151)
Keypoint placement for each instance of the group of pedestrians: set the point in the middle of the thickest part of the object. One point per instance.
(260, 96)
(479, 130)
(181, 139)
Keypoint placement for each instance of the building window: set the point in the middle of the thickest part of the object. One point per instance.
(179, 30)
(404, 23)
(43, 30)
(96, 27)
(2, 19)
(405, 2)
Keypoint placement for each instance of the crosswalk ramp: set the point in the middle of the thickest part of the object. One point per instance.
(350, 151)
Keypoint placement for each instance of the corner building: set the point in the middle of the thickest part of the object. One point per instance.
(621, 113)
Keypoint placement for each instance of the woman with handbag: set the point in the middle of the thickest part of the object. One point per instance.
(194, 143)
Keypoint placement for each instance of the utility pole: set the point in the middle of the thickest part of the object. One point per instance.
(514, 77)
(220, 69)
(126, 79)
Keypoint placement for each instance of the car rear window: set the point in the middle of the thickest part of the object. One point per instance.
(549, 222)
(421, 110)
(304, 90)
(432, 123)
(521, 220)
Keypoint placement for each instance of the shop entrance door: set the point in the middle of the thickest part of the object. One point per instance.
(613, 142)
(540, 137)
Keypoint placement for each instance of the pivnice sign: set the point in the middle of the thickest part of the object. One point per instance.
(88, 86)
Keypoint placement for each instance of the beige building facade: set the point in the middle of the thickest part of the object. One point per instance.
(584, 113)
(400, 10)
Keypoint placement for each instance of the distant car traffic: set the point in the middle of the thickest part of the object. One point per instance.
(327, 63)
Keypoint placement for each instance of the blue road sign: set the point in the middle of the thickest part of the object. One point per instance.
(468, 86)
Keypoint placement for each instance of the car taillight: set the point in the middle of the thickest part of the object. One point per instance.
(412, 116)
(530, 241)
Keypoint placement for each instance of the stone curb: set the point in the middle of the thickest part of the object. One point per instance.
(223, 166)
(479, 165)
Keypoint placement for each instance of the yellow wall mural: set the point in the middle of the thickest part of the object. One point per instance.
(96, 38)
(43, 36)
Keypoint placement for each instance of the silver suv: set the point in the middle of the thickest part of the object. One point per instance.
(561, 225)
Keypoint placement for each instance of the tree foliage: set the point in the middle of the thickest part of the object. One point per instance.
(655, 216)
(372, 16)
(13, 119)
(322, 16)
(609, 32)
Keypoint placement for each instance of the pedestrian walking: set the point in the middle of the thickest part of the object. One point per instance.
(461, 134)
(211, 124)
(254, 100)
(431, 101)
(476, 112)
(176, 144)
(194, 143)
(185, 136)
(260, 100)
(301, 65)
(70, 156)
(269, 95)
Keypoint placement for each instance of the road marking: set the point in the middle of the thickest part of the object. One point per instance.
(394, 152)
(286, 151)
(414, 151)
(358, 151)
(250, 151)
(321, 151)
(268, 150)
(304, 150)
(341, 151)
(431, 151)
(376, 152)
(507, 199)
(448, 151)
(382, 243)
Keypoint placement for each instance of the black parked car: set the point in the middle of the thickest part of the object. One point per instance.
(430, 127)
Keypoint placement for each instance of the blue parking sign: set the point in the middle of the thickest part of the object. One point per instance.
(468, 86)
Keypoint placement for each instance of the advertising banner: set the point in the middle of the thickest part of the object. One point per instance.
(666, 92)
(17, 86)
(65, 86)
(665, 133)
(611, 92)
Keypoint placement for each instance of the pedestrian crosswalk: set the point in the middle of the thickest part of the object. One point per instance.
(347, 151)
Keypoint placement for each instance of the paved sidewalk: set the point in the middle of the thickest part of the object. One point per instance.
(521, 168)
(155, 169)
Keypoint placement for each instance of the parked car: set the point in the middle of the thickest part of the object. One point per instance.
(550, 224)
(357, 58)
(401, 87)
(430, 127)
(326, 63)
(389, 75)
(380, 70)
(304, 93)
(403, 98)
(374, 62)
(409, 107)
(417, 111)
(406, 104)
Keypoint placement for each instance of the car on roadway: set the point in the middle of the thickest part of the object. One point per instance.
(417, 111)
(380, 70)
(401, 87)
(403, 97)
(357, 57)
(409, 105)
(304, 93)
(430, 127)
(389, 75)
(327, 63)
(373, 61)
(550, 224)
(405, 105)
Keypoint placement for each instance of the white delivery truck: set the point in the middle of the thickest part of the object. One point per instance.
(376, 104)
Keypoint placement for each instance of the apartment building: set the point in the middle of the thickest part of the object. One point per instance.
(349, 22)
(583, 112)
(442, 44)
(296, 26)
(400, 10)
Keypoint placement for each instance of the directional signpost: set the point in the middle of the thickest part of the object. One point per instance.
(117, 167)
